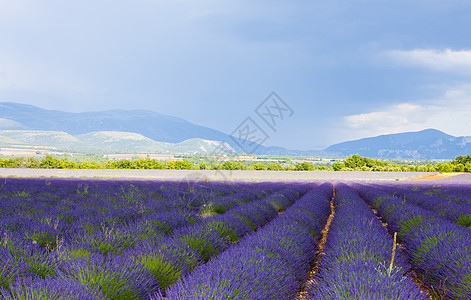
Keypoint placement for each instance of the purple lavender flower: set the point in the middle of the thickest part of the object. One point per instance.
(114, 277)
(165, 258)
(357, 255)
(49, 288)
(439, 249)
(271, 263)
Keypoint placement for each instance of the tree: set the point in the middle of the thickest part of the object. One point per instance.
(463, 159)
(26, 162)
(7, 163)
(275, 167)
(459, 168)
(233, 165)
(258, 166)
(338, 166)
(90, 165)
(183, 165)
(49, 162)
(355, 161)
(305, 166)
(358, 162)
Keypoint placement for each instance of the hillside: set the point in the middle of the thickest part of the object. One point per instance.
(153, 126)
(114, 141)
(425, 144)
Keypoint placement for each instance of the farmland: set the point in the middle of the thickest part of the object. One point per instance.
(214, 174)
(76, 238)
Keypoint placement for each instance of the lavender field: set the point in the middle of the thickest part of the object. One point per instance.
(157, 239)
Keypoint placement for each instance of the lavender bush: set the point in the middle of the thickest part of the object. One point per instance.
(438, 249)
(358, 255)
(271, 263)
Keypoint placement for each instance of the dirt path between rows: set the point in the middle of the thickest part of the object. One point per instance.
(302, 295)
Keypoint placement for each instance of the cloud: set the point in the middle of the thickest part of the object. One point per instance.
(450, 113)
(395, 115)
(442, 60)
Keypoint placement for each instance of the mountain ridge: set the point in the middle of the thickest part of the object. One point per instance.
(425, 144)
(153, 125)
(105, 141)
(143, 130)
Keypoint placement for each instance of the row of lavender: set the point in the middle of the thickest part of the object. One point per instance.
(271, 263)
(112, 260)
(457, 211)
(100, 220)
(358, 261)
(438, 249)
(455, 189)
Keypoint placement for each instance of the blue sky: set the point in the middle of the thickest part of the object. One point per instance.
(348, 69)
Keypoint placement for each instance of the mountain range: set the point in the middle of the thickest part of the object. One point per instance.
(151, 132)
(425, 144)
(122, 130)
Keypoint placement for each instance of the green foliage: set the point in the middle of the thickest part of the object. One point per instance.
(114, 242)
(258, 166)
(41, 265)
(213, 209)
(50, 162)
(410, 224)
(337, 166)
(179, 165)
(80, 253)
(357, 161)
(20, 162)
(275, 167)
(224, 230)
(463, 159)
(246, 220)
(42, 239)
(304, 166)
(432, 241)
(464, 220)
(201, 244)
(111, 285)
(233, 165)
(164, 271)
(199, 162)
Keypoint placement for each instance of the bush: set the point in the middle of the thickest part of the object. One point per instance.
(275, 167)
(338, 166)
(305, 166)
(258, 166)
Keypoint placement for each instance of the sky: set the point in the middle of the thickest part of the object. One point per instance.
(346, 69)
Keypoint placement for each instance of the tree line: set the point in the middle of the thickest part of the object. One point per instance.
(359, 163)
(50, 162)
(352, 163)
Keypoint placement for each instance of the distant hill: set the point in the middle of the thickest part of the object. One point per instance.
(425, 144)
(155, 129)
(147, 131)
(105, 141)
(153, 125)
